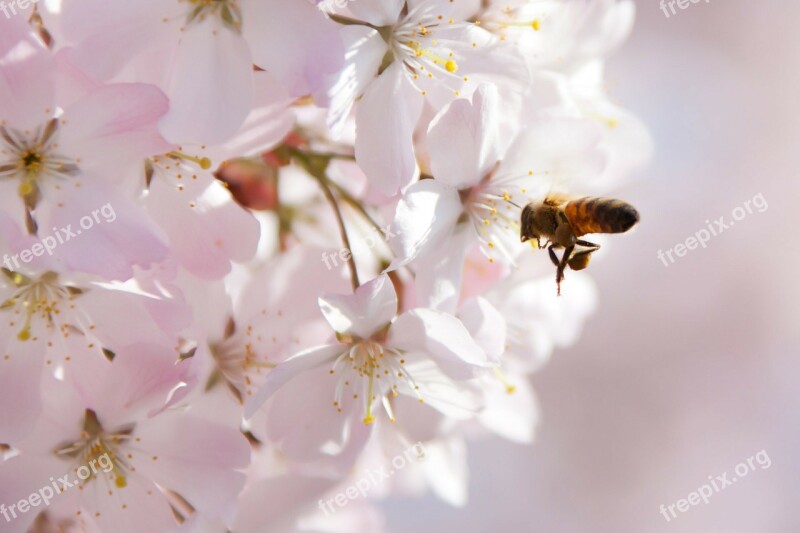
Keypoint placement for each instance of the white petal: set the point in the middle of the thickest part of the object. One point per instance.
(384, 146)
(447, 471)
(486, 325)
(372, 307)
(285, 371)
(439, 273)
(512, 415)
(464, 139)
(443, 337)
(365, 51)
(424, 220)
(376, 12)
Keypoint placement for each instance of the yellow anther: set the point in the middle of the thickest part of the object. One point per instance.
(536, 25)
(204, 162)
(451, 66)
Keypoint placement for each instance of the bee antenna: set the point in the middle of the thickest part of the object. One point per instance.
(515, 205)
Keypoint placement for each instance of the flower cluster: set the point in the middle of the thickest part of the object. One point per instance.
(209, 330)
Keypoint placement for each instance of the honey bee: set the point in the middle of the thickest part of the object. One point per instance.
(562, 220)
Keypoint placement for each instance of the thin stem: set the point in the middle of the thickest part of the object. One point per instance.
(351, 263)
(358, 206)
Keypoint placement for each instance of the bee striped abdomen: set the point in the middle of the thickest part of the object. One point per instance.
(600, 215)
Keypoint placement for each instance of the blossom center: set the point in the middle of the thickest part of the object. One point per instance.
(375, 373)
(32, 157)
(99, 449)
(43, 297)
(227, 11)
(421, 41)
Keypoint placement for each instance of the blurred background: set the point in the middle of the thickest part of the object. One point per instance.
(688, 370)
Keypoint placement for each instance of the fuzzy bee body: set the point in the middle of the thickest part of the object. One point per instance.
(600, 215)
(561, 221)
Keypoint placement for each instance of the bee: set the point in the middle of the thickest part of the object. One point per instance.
(562, 221)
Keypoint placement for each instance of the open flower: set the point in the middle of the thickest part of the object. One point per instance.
(60, 159)
(426, 52)
(421, 354)
(154, 461)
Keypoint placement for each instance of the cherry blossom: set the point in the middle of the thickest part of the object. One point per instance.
(252, 250)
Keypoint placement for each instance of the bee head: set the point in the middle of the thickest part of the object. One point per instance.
(527, 229)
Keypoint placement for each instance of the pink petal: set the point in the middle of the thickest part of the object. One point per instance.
(196, 458)
(294, 42)
(384, 146)
(211, 98)
(114, 126)
(107, 34)
(464, 139)
(288, 370)
(21, 367)
(206, 228)
(109, 246)
(371, 308)
(443, 337)
(27, 72)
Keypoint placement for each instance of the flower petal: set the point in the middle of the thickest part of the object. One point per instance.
(114, 126)
(464, 139)
(371, 308)
(443, 337)
(210, 98)
(424, 221)
(27, 69)
(301, 60)
(486, 325)
(377, 12)
(384, 146)
(287, 370)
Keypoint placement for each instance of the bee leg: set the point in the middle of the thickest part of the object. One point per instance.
(588, 244)
(553, 256)
(561, 266)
